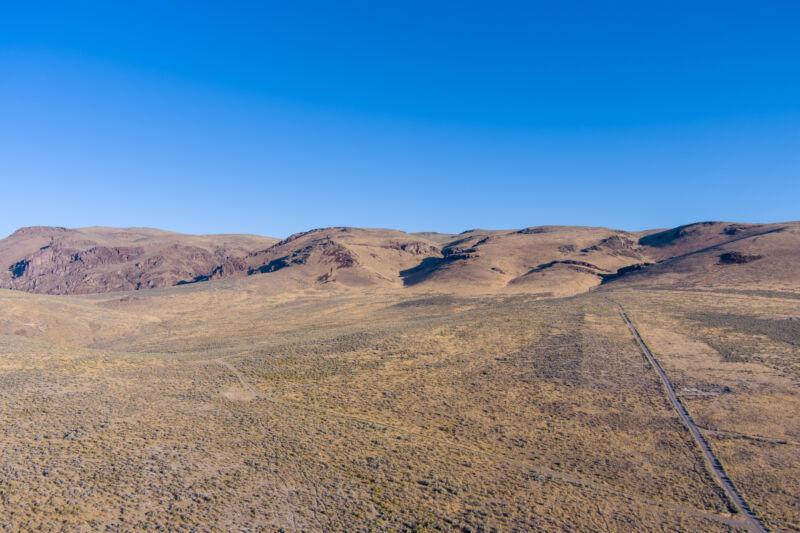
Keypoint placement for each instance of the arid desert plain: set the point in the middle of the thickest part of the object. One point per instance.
(539, 379)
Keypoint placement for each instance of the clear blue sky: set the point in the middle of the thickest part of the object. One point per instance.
(276, 117)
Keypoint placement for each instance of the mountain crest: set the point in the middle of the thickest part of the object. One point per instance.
(558, 260)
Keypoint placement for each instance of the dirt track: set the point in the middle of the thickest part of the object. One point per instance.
(243, 380)
(753, 522)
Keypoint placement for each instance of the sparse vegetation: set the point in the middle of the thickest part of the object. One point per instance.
(230, 405)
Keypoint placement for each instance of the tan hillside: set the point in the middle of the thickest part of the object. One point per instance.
(350, 257)
(554, 260)
(98, 259)
(546, 260)
(722, 255)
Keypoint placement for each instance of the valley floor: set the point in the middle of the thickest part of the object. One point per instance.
(219, 409)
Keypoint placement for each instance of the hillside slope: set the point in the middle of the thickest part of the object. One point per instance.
(721, 255)
(545, 260)
(549, 259)
(52, 260)
(352, 257)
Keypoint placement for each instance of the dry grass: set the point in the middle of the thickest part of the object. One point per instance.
(222, 408)
(736, 358)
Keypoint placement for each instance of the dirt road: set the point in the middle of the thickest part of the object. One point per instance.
(753, 522)
(243, 380)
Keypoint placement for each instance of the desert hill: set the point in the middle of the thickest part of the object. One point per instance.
(545, 260)
(53, 260)
(352, 257)
(554, 259)
(722, 255)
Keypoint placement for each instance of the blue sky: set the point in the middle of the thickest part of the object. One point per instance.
(272, 118)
